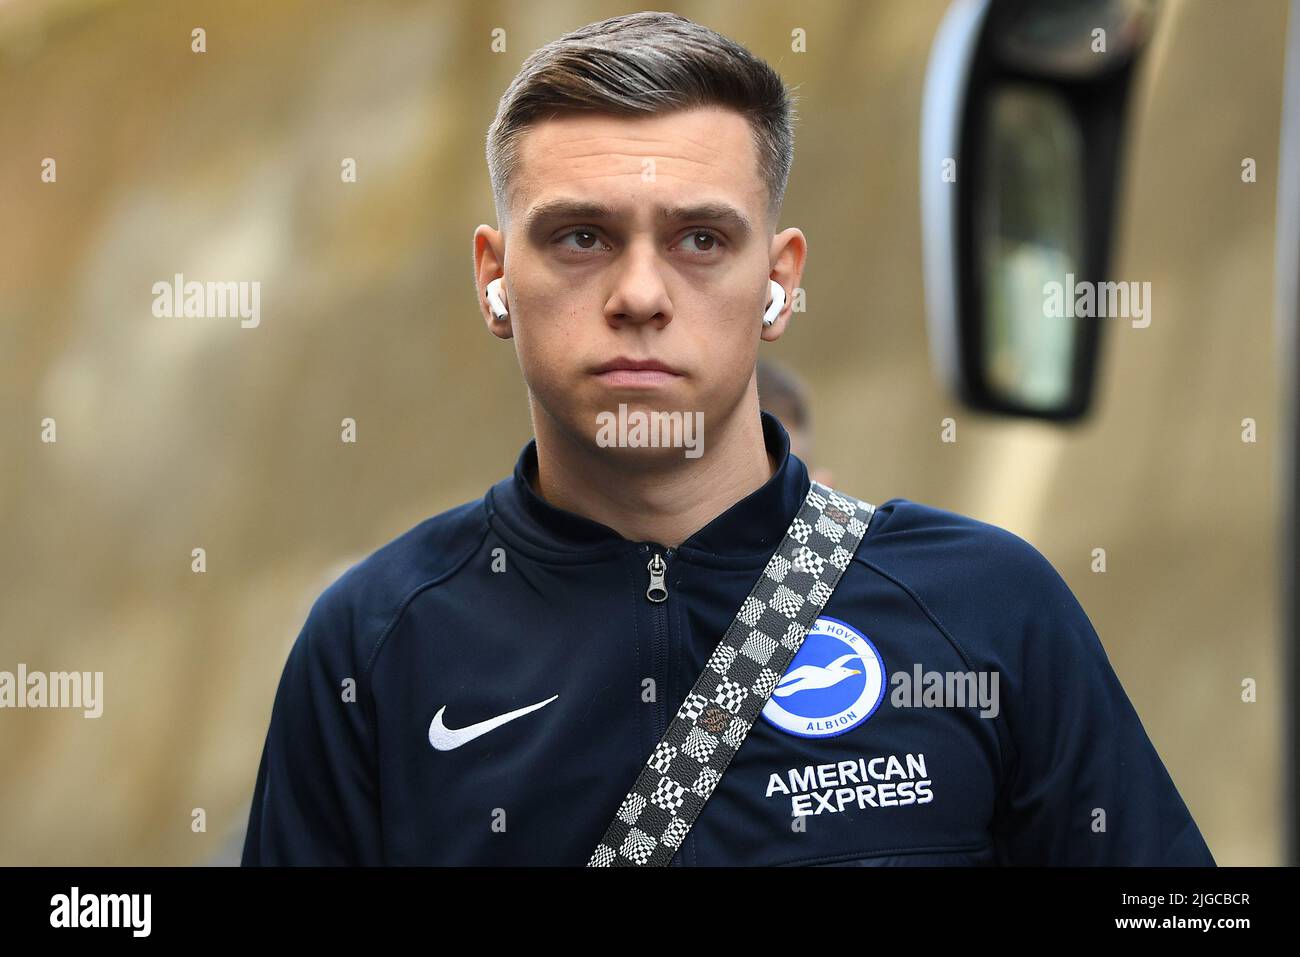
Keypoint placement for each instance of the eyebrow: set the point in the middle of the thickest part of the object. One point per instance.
(713, 212)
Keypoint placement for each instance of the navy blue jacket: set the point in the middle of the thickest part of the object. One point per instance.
(509, 603)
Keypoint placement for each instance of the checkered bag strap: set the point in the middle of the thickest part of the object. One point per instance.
(712, 722)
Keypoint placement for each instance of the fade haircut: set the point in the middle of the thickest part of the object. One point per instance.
(643, 63)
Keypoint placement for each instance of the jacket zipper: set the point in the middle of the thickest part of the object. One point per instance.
(657, 594)
(658, 590)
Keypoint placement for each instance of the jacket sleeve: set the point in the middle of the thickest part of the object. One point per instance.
(316, 800)
(1082, 782)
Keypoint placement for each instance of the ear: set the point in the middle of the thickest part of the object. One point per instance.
(789, 251)
(489, 264)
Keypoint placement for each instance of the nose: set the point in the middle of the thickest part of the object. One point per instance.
(639, 294)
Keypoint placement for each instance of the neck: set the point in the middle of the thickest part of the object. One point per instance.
(664, 500)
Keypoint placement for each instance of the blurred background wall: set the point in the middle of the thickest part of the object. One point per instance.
(180, 434)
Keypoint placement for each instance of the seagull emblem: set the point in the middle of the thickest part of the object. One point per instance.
(812, 677)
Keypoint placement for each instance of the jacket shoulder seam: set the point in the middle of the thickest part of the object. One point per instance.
(413, 594)
(920, 603)
(999, 718)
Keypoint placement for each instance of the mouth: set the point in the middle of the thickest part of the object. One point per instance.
(626, 372)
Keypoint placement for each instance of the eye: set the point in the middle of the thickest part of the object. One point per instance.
(705, 240)
(587, 240)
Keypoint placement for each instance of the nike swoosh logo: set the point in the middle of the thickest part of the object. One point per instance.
(446, 739)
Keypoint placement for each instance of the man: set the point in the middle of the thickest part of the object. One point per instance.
(486, 688)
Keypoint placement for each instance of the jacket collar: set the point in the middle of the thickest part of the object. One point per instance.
(751, 528)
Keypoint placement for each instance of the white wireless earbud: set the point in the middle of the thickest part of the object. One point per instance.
(778, 303)
(499, 311)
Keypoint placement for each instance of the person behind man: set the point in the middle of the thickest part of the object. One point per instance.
(485, 688)
(785, 395)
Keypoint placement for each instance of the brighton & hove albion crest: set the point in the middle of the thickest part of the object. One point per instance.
(835, 682)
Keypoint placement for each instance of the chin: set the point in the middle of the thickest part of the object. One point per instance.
(646, 458)
(633, 426)
(649, 433)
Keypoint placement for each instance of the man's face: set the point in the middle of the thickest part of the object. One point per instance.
(633, 240)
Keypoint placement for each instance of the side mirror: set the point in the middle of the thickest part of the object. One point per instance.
(1021, 130)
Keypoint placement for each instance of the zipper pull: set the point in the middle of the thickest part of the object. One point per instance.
(658, 590)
